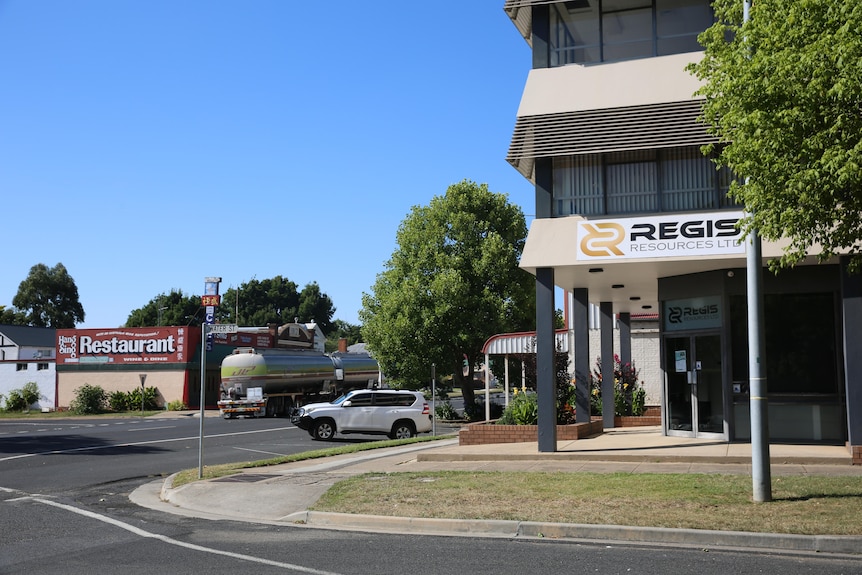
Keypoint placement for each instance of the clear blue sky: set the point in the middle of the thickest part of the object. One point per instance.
(148, 144)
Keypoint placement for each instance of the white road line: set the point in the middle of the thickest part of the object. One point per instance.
(151, 428)
(138, 443)
(164, 539)
(259, 451)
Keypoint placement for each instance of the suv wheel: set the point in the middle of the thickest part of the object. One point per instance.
(323, 430)
(402, 430)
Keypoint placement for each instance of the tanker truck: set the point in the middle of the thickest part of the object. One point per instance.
(271, 382)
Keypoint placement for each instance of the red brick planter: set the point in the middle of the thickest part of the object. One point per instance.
(652, 416)
(484, 433)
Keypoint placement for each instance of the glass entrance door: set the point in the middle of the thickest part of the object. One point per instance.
(694, 390)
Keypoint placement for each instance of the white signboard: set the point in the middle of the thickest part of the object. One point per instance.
(221, 328)
(679, 235)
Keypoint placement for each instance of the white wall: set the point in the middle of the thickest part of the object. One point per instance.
(11, 378)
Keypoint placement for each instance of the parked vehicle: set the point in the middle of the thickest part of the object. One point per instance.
(399, 414)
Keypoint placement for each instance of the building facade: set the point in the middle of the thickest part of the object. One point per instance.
(631, 217)
(27, 356)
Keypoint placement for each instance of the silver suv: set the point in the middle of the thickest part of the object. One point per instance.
(399, 414)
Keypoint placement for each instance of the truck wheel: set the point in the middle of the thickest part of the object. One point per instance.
(323, 430)
(402, 430)
(228, 415)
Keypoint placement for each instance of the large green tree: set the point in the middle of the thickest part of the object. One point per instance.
(784, 96)
(276, 300)
(12, 316)
(174, 308)
(452, 282)
(48, 297)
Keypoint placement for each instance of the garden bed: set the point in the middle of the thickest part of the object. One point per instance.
(483, 433)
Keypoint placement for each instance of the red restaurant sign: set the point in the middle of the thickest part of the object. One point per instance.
(124, 345)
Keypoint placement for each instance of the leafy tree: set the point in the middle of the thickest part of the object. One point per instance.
(452, 282)
(12, 316)
(343, 329)
(276, 300)
(316, 305)
(783, 95)
(174, 308)
(49, 298)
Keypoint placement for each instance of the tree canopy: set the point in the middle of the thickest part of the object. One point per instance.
(48, 297)
(174, 308)
(452, 282)
(784, 96)
(276, 300)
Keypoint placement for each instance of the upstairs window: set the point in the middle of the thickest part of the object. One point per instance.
(590, 31)
(638, 182)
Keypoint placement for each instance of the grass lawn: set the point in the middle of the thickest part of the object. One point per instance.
(810, 505)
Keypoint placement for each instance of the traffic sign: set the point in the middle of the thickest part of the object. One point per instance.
(221, 328)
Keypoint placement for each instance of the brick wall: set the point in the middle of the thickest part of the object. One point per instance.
(855, 454)
(484, 433)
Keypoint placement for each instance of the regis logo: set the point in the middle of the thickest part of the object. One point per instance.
(602, 239)
(676, 314)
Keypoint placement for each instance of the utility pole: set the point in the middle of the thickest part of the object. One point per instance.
(757, 390)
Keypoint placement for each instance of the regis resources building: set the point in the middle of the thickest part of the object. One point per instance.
(631, 217)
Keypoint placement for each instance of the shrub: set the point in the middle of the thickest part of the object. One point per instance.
(22, 399)
(89, 399)
(446, 412)
(565, 391)
(522, 410)
(118, 401)
(31, 393)
(15, 401)
(629, 394)
(177, 405)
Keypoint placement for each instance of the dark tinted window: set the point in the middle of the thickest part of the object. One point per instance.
(396, 399)
(360, 399)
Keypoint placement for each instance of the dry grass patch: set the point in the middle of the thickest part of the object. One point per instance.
(801, 504)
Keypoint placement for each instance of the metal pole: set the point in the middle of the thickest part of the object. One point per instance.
(202, 399)
(760, 472)
(433, 400)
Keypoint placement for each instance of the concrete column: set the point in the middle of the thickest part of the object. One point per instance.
(546, 385)
(606, 311)
(625, 321)
(581, 327)
(544, 188)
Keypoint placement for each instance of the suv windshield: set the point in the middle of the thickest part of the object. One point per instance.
(338, 400)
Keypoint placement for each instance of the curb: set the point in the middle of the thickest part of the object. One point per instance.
(838, 544)
(610, 457)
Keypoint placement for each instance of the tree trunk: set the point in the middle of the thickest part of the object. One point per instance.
(466, 385)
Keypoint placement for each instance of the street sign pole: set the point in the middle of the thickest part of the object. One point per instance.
(207, 329)
(433, 400)
(203, 389)
(143, 377)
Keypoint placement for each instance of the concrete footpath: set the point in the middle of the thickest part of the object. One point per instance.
(282, 494)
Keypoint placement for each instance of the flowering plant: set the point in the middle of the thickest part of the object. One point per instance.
(629, 394)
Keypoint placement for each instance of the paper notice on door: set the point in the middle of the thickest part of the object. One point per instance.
(679, 361)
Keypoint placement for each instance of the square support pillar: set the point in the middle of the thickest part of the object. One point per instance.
(546, 349)
(583, 365)
(606, 311)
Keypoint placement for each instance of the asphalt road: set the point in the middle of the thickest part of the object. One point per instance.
(64, 508)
